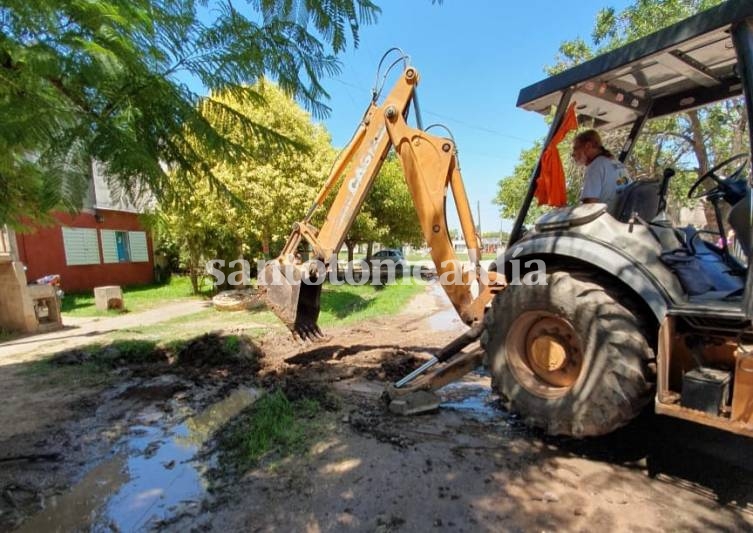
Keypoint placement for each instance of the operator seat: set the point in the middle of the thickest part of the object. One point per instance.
(641, 197)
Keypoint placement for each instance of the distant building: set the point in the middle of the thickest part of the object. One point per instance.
(104, 244)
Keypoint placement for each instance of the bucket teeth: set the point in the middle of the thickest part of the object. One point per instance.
(308, 331)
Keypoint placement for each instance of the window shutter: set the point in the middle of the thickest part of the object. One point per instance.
(81, 246)
(139, 250)
(109, 246)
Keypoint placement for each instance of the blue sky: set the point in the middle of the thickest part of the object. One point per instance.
(473, 58)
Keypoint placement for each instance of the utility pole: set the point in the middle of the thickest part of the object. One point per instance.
(478, 216)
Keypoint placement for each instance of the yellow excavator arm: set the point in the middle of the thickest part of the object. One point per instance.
(430, 166)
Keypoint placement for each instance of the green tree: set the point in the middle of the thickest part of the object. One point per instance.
(512, 189)
(388, 215)
(105, 80)
(268, 192)
(702, 133)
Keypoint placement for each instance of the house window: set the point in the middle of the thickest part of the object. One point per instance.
(81, 246)
(124, 246)
(139, 249)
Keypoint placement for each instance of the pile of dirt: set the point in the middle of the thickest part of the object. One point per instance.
(302, 387)
(75, 356)
(153, 392)
(208, 350)
(117, 354)
(18, 501)
(397, 366)
(213, 350)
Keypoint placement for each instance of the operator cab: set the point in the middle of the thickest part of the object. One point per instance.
(691, 284)
(699, 62)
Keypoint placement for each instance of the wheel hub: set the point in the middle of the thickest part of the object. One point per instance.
(547, 354)
(553, 352)
(544, 353)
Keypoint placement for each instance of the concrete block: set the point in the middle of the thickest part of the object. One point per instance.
(46, 307)
(16, 306)
(108, 297)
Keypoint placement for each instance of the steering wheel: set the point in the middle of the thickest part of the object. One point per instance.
(721, 183)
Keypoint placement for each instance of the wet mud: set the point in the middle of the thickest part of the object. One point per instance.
(153, 476)
(143, 453)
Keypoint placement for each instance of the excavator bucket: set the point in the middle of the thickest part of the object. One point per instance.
(293, 296)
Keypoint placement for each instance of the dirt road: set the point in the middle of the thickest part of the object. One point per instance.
(143, 454)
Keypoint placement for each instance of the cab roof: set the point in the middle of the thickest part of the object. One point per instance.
(687, 65)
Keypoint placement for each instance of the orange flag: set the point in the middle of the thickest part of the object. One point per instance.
(550, 187)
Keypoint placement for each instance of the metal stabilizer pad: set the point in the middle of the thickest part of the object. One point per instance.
(420, 401)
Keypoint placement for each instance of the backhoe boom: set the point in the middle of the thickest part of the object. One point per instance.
(430, 166)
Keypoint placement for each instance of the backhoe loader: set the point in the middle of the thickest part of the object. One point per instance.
(631, 307)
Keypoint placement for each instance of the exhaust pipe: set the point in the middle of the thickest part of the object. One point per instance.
(292, 293)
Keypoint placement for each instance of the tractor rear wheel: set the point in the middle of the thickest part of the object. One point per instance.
(567, 356)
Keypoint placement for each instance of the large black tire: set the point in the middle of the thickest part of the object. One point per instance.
(567, 356)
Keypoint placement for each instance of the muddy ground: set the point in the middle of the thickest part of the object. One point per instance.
(144, 452)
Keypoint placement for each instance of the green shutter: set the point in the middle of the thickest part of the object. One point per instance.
(81, 246)
(139, 250)
(109, 246)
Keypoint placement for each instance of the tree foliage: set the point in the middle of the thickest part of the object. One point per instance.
(691, 142)
(388, 215)
(268, 192)
(105, 79)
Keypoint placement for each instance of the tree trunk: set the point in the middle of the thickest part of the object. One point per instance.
(351, 246)
(702, 156)
(739, 135)
(699, 146)
(653, 169)
(369, 250)
(194, 281)
(193, 272)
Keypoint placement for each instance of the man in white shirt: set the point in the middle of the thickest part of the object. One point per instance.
(604, 174)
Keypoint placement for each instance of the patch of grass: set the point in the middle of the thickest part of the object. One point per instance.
(86, 375)
(128, 352)
(346, 304)
(137, 298)
(106, 356)
(340, 305)
(274, 427)
(6, 335)
(188, 326)
(232, 343)
(92, 364)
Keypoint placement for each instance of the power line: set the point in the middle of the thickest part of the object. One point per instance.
(449, 118)
(479, 128)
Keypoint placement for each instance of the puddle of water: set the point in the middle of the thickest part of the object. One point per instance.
(480, 402)
(160, 478)
(152, 477)
(477, 400)
(447, 319)
(73, 510)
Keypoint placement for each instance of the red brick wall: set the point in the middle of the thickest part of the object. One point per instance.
(43, 253)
